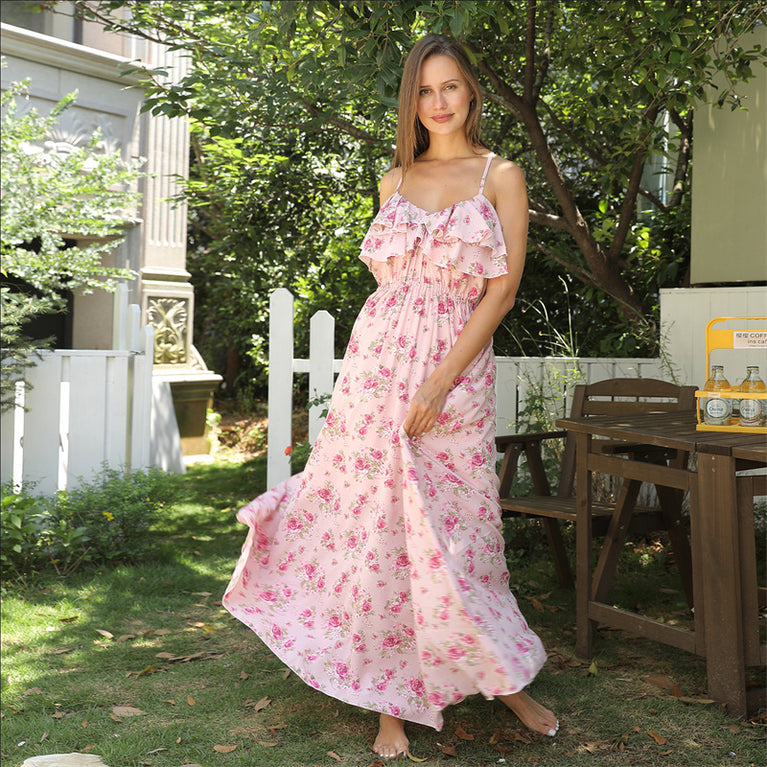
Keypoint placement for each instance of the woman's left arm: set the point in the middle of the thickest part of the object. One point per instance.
(508, 189)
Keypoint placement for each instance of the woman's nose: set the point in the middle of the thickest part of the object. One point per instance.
(439, 99)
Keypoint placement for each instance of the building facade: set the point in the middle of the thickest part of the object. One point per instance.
(60, 54)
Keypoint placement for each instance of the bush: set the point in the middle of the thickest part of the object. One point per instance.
(104, 521)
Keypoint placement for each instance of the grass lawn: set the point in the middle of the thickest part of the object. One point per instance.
(141, 665)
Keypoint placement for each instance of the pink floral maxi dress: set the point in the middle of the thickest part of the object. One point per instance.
(378, 574)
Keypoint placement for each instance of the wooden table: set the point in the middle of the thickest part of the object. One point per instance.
(726, 594)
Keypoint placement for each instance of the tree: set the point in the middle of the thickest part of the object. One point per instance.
(46, 197)
(579, 94)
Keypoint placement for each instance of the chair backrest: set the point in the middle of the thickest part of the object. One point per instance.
(614, 396)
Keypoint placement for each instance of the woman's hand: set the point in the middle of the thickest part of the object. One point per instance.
(425, 407)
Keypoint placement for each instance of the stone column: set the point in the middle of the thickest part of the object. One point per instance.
(167, 296)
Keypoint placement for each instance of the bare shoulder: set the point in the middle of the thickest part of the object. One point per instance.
(505, 174)
(389, 183)
(505, 183)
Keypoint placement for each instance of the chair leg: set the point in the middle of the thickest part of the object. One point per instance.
(616, 535)
(671, 507)
(557, 546)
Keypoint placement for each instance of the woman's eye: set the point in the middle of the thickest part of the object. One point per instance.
(423, 91)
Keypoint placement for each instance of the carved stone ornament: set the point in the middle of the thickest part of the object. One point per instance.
(169, 317)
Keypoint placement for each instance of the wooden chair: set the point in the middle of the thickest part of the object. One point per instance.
(609, 397)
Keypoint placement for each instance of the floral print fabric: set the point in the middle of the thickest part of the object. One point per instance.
(378, 574)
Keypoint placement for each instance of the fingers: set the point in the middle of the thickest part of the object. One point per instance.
(419, 420)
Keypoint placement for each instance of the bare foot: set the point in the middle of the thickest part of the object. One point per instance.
(391, 741)
(533, 715)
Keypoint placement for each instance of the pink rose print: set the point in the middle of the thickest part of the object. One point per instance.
(345, 565)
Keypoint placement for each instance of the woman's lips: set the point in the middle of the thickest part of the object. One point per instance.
(441, 118)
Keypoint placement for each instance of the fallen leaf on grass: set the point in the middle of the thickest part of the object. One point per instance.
(274, 727)
(659, 739)
(224, 749)
(68, 620)
(243, 675)
(105, 633)
(462, 734)
(44, 737)
(702, 701)
(518, 736)
(495, 738)
(258, 705)
(84, 723)
(267, 743)
(593, 668)
(203, 655)
(414, 758)
(115, 718)
(156, 751)
(126, 711)
(734, 729)
(61, 651)
(449, 750)
(334, 755)
(190, 701)
(676, 691)
(148, 670)
(659, 681)
(536, 604)
(32, 691)
(286, 673)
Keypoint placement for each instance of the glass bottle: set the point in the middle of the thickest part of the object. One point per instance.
(717, 410)
(752, 411)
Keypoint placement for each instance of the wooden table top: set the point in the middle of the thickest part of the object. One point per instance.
(672, 430)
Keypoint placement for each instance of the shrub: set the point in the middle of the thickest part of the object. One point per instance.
(104, 521)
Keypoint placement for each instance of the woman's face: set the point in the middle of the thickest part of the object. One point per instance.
(444, 97)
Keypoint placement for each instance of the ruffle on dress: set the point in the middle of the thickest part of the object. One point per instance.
(466, 236)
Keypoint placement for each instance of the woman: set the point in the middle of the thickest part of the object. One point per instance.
(378, 574)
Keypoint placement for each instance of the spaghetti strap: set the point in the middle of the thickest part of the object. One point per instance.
(401, 178)
(484, 175)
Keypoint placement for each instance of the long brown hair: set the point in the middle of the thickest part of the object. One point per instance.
(412, 137)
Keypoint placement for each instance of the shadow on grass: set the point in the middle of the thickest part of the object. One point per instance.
(74, 648)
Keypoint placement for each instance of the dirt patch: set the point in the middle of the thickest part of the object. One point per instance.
(242, 436)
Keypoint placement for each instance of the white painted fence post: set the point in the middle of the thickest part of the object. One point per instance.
(18, 436)
(120, 317)
(140, 440)
(321, 355)
(280, 402)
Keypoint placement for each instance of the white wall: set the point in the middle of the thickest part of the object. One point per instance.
(685, 312)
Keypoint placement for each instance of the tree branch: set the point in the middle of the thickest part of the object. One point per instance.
(547, 219)
(344, 125)
(632, 189)
(577, 271)
(527, 93)
(683, 156)
(543, 69)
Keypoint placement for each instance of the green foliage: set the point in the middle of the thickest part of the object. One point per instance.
(47, 196)
(293, 106)
(103, 521)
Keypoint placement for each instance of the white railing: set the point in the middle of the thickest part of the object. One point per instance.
(82, 409)
(516, 376)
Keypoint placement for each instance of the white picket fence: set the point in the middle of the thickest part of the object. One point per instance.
(516, 376)
(81, 410)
